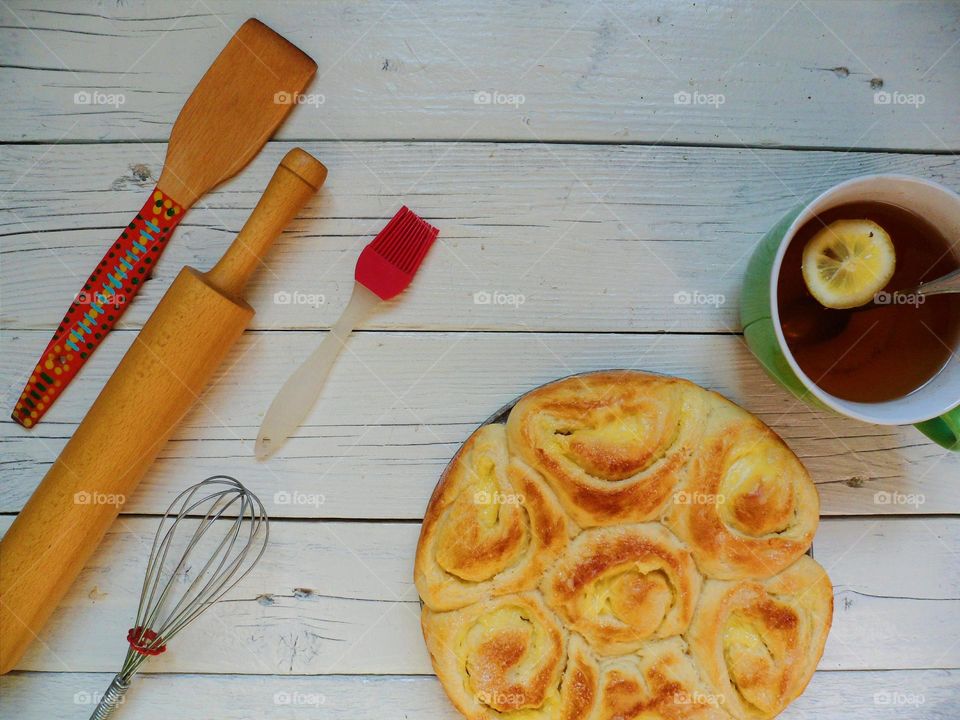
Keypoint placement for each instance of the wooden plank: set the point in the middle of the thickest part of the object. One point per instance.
(857, 695)
(763, 73)
(338, 598)
(593, 238)
(872, 577)
(399, 404)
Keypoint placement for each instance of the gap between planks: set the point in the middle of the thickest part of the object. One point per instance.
(339, 597)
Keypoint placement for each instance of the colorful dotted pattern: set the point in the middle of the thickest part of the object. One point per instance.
(104, 298)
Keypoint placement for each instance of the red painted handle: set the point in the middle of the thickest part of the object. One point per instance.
(99, 304)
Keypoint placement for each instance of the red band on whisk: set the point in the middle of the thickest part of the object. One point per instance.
(141, 640)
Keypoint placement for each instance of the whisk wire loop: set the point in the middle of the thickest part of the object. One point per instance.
(173, 593)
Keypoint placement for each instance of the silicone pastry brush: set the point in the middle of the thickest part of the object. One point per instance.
(230, 115)
(384, 270)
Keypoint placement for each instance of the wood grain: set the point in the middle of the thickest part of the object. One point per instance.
(595, 238)
(160, 377)
(109, 452)
(854, 695)
(788, 72)
(338, 598)
(233, 111)
(398, 405)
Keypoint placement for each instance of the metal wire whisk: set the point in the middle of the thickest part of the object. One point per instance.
(231, 525)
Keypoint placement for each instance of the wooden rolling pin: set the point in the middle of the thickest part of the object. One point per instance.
(156, 383)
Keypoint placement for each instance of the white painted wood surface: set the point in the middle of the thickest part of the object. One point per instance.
(338, 598)
(634, 198)
(601, 71)
(594, 237)
(399, 404)
(932, 694)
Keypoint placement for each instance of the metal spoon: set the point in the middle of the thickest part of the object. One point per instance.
(808, 325)
(949, 283)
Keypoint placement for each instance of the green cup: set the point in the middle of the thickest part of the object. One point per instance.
(933, 408)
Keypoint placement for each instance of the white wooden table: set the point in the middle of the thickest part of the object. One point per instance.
(628, 152)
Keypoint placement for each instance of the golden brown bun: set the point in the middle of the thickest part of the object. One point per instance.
(620, 586)
(492, 527)
(611, 444)
(757, 642)
(657, 683)
(627, 547)
(511, 654)
(746, 507)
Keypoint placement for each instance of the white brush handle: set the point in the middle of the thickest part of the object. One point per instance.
(300, 392)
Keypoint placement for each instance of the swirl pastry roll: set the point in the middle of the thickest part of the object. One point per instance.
(623, 585)
(492, 527)
(658, 683)
(611, 444)
(510, 658)
(757, 642)
(626, 547)
(747, 506)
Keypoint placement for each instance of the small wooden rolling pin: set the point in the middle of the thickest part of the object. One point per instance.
(163, 373)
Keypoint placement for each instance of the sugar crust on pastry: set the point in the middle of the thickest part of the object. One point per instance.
(658, 681)
(623, 585)
(611, 443)
(643, 558)
(758, 642)
(492, 527)
(746, 505)
(510, 657)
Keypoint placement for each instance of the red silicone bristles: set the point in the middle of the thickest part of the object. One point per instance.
(405, 240)
(387, 265)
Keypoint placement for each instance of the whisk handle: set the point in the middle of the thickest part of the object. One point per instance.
(111, 698)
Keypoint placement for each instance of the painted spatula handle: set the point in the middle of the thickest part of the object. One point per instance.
(99, 304)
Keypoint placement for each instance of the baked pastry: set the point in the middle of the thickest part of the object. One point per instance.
(757, 642)
(622, 585)
(627, 546)
(611, 444)
(746, 505)
(511, 654)
(492, 527)
(658, 682)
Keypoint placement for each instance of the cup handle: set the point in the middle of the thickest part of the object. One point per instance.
(943, 430)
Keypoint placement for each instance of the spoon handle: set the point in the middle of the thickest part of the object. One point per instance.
(949, 283)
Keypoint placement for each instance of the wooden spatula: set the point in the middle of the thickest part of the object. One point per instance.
(233, 111)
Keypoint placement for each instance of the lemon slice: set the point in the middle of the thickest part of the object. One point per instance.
(848, 262)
